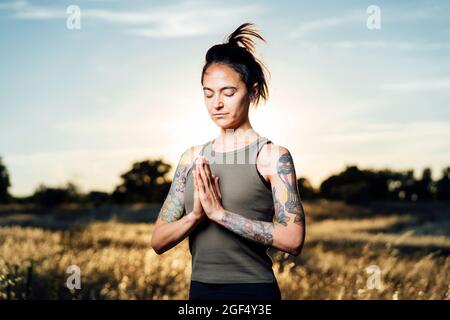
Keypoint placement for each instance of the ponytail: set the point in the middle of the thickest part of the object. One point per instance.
(238, 52)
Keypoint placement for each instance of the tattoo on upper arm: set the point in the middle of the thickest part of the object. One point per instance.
(286, 172)
(280, 216)
(259, 231)
(173, 206)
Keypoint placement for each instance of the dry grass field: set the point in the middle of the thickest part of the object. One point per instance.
(409, 243)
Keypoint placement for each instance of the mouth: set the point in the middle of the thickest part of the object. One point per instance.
(219, 114)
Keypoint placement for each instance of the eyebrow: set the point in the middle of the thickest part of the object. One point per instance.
(223, 88)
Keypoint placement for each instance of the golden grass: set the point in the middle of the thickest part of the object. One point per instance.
(117, 262)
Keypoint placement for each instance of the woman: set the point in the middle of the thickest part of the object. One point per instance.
(239, 200)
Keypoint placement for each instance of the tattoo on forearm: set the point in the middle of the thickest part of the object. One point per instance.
(173, 206)
(259, 231)
(286, 172)
(280, 216)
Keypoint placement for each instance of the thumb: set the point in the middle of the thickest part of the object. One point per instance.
(195, 184)
(216, 182)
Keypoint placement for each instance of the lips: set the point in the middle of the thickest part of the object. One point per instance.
(219, 114)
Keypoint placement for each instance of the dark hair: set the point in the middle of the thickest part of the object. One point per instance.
(238, 52)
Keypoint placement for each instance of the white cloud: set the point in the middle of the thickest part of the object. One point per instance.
(388, 14)
(399, 133)
(195, 21)
(123, 17)
(186, 18)
(13, 5)
(327, 23)
(25, 10)
(390, 45)
(438, 84)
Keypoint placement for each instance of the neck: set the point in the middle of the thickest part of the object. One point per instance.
(242, 134)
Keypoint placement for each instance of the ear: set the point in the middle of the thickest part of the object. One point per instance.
(254, 91)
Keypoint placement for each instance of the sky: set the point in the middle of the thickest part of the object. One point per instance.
(83, 104)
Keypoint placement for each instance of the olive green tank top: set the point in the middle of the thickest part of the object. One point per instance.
(219, 255)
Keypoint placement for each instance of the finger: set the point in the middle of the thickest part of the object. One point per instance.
(208, 184)
(211, 184)
(215, 188)
(207, 168)
(194, 174)
(208, 175)
(216, 181)
(196, 187)
(215, 185)
(200, 182)
(203, 176)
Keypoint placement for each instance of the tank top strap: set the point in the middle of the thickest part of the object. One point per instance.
(253, 148)
(262, 141)
(205, 145)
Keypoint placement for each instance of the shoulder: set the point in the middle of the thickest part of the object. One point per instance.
(272, 157)
(273, 153)
(188, 156)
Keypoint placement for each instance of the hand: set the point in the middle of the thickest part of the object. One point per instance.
(209, 191)
(197, 210)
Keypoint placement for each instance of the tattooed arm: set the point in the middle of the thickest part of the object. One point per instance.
(289, 215)
(172, 227)
(287, 232)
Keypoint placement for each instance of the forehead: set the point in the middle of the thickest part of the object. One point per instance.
(217, 75)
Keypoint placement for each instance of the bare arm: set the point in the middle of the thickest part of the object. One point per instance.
(172, 227)
(287, 232)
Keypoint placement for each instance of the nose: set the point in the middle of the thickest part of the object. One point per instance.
(218, 103)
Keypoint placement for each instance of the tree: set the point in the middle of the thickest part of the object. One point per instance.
(443, 185)
(5, 197)
(407, 189)
(357, 186)
(145, 182)
(350, 186)
(424, 186)
(305, 188)
(56, 196)
(97, 198)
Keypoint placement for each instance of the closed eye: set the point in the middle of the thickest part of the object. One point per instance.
(229, 93)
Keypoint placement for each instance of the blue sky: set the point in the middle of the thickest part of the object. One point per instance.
(83, 105)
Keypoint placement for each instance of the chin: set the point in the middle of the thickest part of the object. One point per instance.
(221, 122)
(225, 123)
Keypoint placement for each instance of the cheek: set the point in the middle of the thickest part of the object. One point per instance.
(237, 104)
(208, 103)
